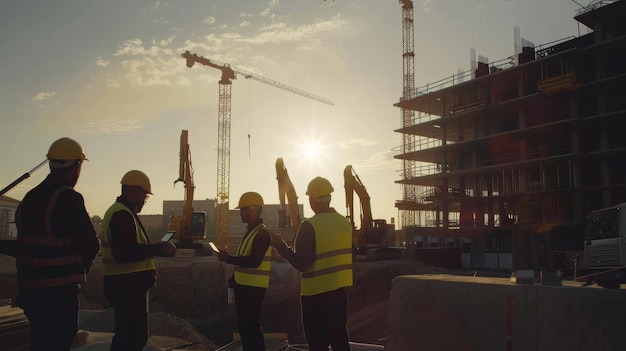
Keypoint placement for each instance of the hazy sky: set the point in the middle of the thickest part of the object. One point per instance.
(110, 75)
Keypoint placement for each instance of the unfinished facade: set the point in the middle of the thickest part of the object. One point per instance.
(536, 139)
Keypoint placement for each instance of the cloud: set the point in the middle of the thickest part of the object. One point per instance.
(100, 62)
(112, 83)
(356, 142)
(149, 71)
(163, 42)
(44, 95)
(426, 5)
(111, 126)
(157, 62)
(135, 47)
(279, 32)
(381, 160)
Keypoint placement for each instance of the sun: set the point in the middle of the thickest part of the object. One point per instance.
(311, 151)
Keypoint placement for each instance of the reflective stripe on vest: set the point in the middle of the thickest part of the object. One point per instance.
(259, 276)
(58, 262)
(109, 265)
(332, 268)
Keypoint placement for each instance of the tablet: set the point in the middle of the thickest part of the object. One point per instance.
(167, 237)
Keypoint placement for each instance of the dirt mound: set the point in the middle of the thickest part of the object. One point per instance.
(189, 305)
(161, 324)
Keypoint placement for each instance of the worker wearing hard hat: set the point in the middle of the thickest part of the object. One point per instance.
(323, 253)
(56, 245)
(251, 277)
(128, 263)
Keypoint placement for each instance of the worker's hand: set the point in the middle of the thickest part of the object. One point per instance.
(168, 248)
(277, 240)
(222, 255)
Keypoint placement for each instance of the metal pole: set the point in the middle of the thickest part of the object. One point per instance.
(20, 179)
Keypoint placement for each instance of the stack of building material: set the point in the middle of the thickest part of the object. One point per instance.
(80, 338)
(559, 84)
(14, 331)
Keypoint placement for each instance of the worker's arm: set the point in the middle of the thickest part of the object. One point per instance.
(303, 255)
(259, 246)
(124, 240)
(73, 217)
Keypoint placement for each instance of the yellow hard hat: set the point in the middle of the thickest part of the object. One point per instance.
(137, 178)
(65, 149)
(250, 199)
(319, 187)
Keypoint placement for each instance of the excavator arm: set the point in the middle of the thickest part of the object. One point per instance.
(189, 225)
(286, 189)
(373, 235)
(353, 184)
(185, 175)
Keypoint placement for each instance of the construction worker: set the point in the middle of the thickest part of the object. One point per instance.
(128, 263)
(251, 277)
(56, 245)
(323, 253)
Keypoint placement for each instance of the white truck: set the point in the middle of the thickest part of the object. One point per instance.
(605, 238)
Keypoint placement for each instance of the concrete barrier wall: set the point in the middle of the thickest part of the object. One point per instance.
(441, 312)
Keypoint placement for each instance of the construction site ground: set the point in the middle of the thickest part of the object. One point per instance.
(189, 310)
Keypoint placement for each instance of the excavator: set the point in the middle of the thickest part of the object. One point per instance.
(286, 189)
(189, 228)
(375, 237)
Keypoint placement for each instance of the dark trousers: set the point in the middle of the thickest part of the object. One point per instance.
(324, 318)
(130, 305)
(248, 303)
(52, 315)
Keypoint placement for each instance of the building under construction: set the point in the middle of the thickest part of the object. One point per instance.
(535, 140)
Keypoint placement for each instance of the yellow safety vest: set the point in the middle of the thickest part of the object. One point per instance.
(332, 268)
(109, 265)
(259, 276)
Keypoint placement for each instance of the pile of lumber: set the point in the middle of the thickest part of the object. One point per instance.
(14, 332)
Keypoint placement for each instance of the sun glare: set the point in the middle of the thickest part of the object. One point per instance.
(311, 151)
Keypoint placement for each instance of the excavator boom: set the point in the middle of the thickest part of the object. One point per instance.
(374, 235)
(286, 189)
(190, 225)
(353, 184)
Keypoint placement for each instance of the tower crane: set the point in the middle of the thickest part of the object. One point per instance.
(223, 131)
(408, 115)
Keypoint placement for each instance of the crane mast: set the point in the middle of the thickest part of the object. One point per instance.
(223, 132)
(408, 115)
